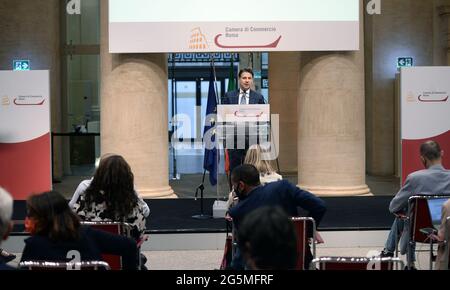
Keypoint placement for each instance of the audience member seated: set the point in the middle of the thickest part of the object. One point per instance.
(6, 209)
(435, 179)
(110, 196)
(86, 183)
(267, 240)
(251, 195)
(56, 235)
(257, 157)
(442, 261)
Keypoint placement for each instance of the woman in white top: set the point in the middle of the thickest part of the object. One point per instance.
(86, 183)
(110, 196)
(256, 157)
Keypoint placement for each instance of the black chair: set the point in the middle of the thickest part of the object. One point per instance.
(419, 219)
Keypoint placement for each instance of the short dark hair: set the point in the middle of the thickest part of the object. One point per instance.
(430, 150)
(246, 173)
(247, 70)
(267, 236)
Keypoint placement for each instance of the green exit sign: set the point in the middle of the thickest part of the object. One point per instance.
(21, 65)
(405, 62)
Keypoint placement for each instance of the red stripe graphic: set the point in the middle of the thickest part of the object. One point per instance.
(37, 104)
(25, 167)
(270, 45)
(433, 101)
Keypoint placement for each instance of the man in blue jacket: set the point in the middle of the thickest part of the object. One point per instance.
(252, 195)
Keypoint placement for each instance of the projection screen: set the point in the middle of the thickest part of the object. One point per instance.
(143, 26)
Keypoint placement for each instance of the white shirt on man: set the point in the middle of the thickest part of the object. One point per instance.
(246, 96)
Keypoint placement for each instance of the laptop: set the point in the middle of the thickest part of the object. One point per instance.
(435, 207)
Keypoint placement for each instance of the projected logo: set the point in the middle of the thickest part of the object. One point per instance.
(29, 101)
(433, 97)
(411, 97)
(198, 39)
(5, 101)
(273, 44)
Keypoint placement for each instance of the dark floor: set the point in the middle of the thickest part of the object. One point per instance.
(186, 186)
(175, 215)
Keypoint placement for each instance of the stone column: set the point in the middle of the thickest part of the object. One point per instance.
(284, 81)
(134, 106)
(331, 136)
(444, 14)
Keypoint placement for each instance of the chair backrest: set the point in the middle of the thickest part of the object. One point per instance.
(419, 216)
(63, 266)
(117, 228)
(356, 263)
(305, 227)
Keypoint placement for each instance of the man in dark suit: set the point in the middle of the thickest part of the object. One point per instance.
(243, 96)
(252, 195)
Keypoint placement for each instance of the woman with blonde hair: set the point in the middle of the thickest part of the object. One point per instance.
(257, 157)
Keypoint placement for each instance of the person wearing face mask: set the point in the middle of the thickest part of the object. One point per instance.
(435, 179)
(255, 156)
(56, 235)
(252, 195)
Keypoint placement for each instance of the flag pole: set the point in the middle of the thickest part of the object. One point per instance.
(216, 140)
(201, 187)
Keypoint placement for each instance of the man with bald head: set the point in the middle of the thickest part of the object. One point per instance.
(432, 180)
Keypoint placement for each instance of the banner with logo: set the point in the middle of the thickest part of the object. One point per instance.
(25, 149)
(166, 26)
(425, 113)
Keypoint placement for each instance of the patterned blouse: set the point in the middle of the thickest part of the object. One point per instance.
(97, 214)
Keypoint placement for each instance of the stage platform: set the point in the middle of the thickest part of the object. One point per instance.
(172, 216)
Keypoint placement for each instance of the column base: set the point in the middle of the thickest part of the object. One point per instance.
(325, 191)
(161, 192)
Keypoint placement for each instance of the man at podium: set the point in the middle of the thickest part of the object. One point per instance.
(242, 96)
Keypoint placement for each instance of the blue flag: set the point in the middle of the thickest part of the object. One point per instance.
(210, 159)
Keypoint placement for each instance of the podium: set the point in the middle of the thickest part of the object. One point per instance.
(240, 126)
(237, 128)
